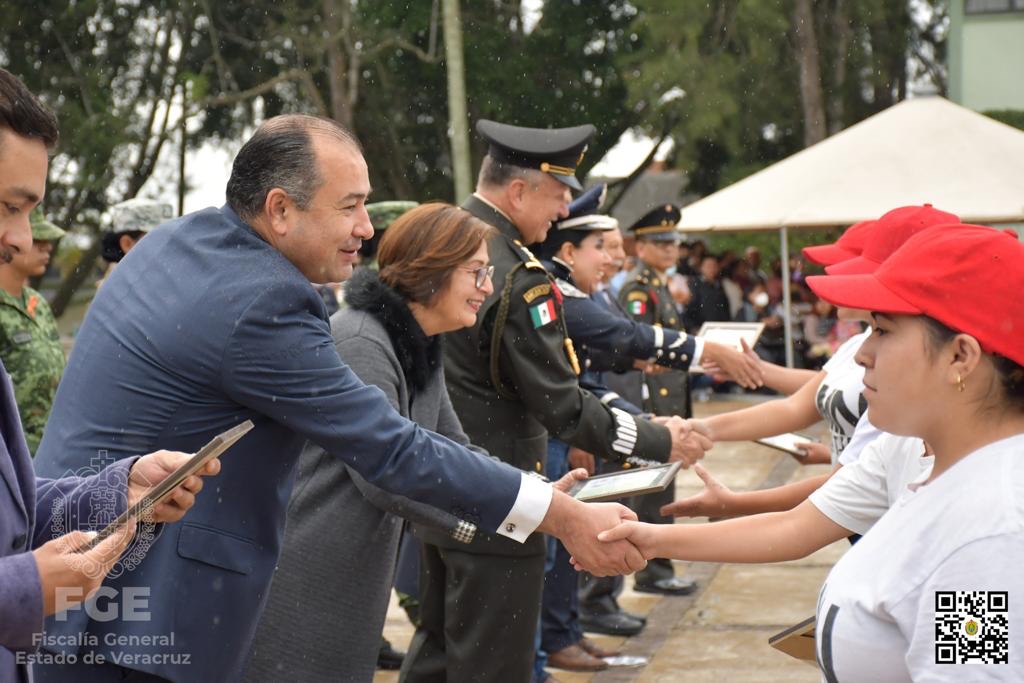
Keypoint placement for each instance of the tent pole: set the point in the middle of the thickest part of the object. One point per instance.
(787, 296)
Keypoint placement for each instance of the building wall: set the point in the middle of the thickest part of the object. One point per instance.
(986, 55)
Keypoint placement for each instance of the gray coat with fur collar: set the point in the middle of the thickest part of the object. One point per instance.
(329, 597)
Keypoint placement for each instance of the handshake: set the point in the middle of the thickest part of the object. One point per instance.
(578, 524)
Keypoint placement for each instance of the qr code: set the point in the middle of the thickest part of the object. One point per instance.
(972, 627)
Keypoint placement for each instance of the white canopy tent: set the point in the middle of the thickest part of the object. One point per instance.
(924, 150)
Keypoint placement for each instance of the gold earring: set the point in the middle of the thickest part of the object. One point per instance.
(960, 383)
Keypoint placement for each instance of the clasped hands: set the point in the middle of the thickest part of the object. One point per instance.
(601, 537)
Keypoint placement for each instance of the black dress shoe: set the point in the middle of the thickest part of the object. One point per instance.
(389, 659)
(614, 624)
(671, 586)
(639, 617)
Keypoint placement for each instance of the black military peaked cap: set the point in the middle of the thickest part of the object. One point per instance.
(659, 224)
(557, 151)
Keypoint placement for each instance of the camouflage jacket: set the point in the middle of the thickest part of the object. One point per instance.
(32, 353)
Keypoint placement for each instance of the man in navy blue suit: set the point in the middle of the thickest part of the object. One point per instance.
(211, 320)
(42, 521)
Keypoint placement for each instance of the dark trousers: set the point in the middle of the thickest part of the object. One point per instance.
(599, 594)
(478, 617)
(559, 615)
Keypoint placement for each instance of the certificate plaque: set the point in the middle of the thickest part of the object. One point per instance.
(787, 443)
(729, 334)
(634, 482)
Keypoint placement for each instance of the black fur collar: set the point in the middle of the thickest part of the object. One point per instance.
(418, 354)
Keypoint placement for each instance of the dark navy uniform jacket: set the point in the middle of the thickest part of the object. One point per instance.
(613, 342)
(202, 325)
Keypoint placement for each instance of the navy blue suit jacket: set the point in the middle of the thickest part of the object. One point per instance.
(32, 512)
(203, 325)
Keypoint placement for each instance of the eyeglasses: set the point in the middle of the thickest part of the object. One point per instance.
(483, 274)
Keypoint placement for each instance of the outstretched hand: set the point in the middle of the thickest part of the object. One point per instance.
(745, 368)
(814, 454)
(690, 439)
(714, 501)
(642, 535)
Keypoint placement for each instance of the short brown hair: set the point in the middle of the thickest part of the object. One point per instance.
(23, 113)
(419, 251)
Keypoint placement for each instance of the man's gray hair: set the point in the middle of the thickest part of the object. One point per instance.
(281, 154)
(494, 173)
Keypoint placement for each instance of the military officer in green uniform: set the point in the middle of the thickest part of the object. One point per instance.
(29, 342)
(645, 296)
(513, 379)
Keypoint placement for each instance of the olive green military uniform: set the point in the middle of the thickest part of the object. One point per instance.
(645, 297)
(31, 351)
(513, 381)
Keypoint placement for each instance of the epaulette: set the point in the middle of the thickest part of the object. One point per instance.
(570, 289)
(529, 260)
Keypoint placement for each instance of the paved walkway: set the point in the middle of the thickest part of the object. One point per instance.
(721, 632)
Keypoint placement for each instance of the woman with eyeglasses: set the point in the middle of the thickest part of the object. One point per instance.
(930, 593)
(342, 535)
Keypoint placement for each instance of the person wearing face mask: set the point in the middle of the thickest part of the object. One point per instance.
(29, 341)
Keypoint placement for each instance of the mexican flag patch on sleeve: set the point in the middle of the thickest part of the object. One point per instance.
(543, 313)
(637, 307)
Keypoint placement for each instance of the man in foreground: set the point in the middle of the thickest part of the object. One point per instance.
(214, 320)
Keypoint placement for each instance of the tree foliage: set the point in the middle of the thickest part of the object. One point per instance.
(739, 64)
(121, 72)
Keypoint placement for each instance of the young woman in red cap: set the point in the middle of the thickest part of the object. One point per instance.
(834, 394)
(930, 588)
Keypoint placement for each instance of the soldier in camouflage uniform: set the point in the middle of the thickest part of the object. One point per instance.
(646, 298)
(129, 222)
(29, 341)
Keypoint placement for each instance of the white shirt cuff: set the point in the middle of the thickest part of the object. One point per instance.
(529, 509)
(698, 350)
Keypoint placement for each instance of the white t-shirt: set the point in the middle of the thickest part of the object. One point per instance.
(840, 398)
(859, 494)
(956, 542)
(864, 434)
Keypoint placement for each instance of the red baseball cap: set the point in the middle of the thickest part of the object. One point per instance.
(968, 277)
(850, 244)
(888, 234)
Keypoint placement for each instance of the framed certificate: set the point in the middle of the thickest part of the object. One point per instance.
(787, 443)
(635, 482)
(796, 641)
(165, 488)
(729, 334)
